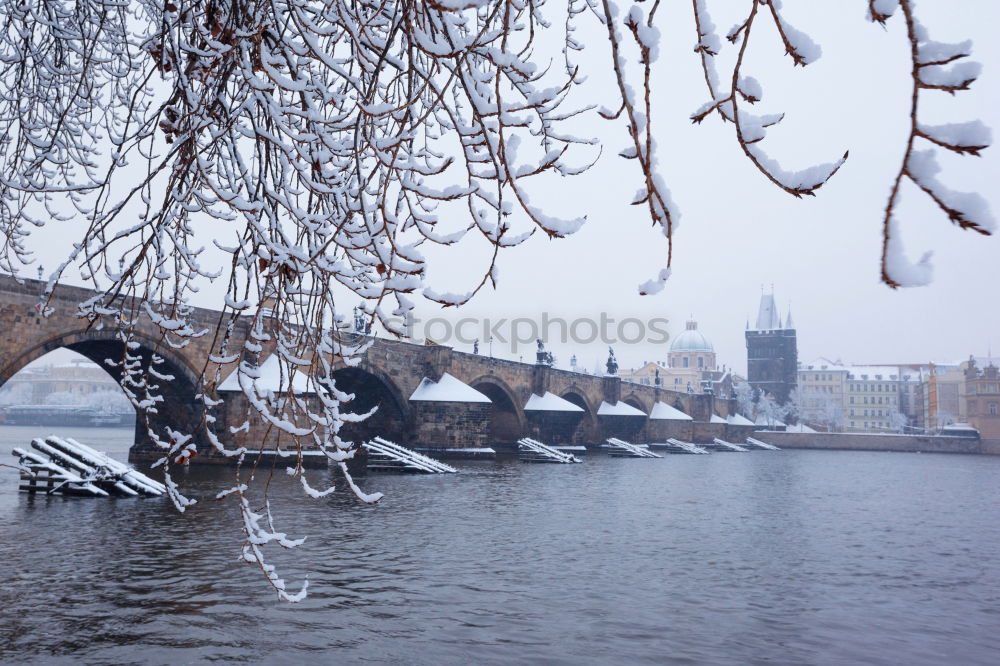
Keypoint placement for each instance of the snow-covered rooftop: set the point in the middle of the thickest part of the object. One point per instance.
(768, 318)
(824, 364)
(550, 402)
(739, 420)
(619, 409)
(446, 389)
(799, 427)
(664, 412)
(873, 372)
(717, 419)
(268, 378)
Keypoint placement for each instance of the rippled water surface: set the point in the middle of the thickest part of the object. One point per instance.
(805, 557)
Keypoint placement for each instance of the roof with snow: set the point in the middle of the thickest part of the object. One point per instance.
(800, 427)
(873, 372)
(822, 363)
(739, 420)
(550, 402)
(619, 409)
(717, 419)
(664, 412)
(446, 389)
(768, 318)
(270, 376)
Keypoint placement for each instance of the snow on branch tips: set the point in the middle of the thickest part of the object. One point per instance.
(751, 128)
(936, 66)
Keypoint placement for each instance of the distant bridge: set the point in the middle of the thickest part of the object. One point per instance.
(387, 376)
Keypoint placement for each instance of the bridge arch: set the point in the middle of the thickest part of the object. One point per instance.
(635, 401)
(587, 431)
(95, 345)
(178, 408)
(393, 420)
(507, 421)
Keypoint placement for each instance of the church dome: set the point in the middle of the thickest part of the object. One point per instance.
(691, 340)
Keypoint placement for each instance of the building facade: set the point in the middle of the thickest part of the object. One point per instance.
(79, 377)
(772, 352)
(691, 366)
(982, 398)
(873, 399)
(822, 385)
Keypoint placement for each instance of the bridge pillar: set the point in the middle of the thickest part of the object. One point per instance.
(438, 360)
(611, 389)
(701, 406)
(540, 377)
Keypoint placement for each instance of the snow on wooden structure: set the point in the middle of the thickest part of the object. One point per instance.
(389, 456)
(446, 389)
(550, 402)
(66, 467)
(762, 445)
(664, 412)
(268, 377)
(619, 409)
(534, 451)
(723, 445)
(739, 420)
(621, 449)
(677, 446)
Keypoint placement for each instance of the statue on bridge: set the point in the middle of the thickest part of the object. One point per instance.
(612, 363)
(475, 347)
(543, 357)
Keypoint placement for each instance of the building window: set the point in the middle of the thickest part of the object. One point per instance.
(993, 409)
(685, 363)
(701, 362)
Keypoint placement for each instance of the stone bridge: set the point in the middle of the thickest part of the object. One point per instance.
(387, 377)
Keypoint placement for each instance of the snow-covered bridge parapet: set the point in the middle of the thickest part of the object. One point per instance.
(515, 400)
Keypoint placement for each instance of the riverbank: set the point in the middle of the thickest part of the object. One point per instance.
(844, 441)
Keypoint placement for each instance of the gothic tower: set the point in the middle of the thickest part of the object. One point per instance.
(772, 352)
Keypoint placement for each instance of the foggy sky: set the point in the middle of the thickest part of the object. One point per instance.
(738, 232)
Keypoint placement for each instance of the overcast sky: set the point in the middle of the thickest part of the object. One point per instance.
(738, 232)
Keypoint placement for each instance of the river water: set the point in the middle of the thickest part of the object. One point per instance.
(791, 557)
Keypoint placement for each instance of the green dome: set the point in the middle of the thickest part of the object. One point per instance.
(691, 340)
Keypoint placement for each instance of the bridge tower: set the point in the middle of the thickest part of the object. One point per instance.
(772, 352)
